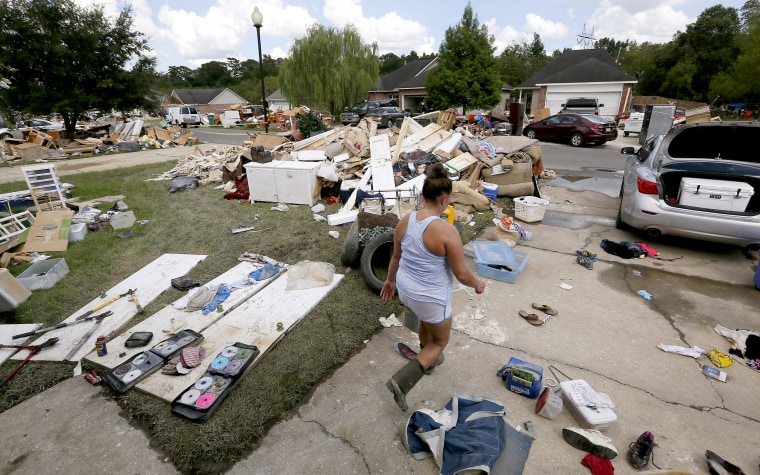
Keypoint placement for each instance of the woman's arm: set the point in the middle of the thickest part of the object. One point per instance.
(389, 287)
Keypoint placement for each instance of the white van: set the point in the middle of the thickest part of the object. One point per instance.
(183, 116)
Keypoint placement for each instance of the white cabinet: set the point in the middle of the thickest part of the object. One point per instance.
(283, 181)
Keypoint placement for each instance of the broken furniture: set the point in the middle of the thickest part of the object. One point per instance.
(45, 186)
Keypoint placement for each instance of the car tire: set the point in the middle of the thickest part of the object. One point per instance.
(625, 134)
(376, 257)
(5, 136)
(531, 134)
(576, 140)
(350, 254)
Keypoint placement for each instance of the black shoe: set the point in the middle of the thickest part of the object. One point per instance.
(640, 452)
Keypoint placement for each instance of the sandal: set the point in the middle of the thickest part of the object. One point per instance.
(532, 318)
(586, 253)
(545, 308)
(585, 262)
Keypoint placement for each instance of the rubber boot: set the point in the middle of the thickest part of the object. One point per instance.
(403, 381)
(439, 361)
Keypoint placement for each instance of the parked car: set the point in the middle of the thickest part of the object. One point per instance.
(45, 125)
(697, 181)
(353, 115)
(578, 129)
(633, 124)
(581, 105)
(386, 116)
(10, 133)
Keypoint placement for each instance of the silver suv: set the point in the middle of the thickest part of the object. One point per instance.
(581, 105)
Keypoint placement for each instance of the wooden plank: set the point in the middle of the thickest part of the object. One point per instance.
(150, 282)
(432, 141)
(6, 334)
(254, 322)
(382, 168)
(170, 319)
(400, 139)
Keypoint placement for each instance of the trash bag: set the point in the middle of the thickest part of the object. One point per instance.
(625, 249)
(183, 183)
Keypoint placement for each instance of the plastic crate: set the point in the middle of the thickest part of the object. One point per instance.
(530, 208)
(498, 253)
(43, 274)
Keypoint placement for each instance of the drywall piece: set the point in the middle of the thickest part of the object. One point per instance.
(149, 282)
(171, 320)
(342, 217)
(262, 320)
(6, 334)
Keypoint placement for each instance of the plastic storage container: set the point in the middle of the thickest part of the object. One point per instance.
(496, 260)
(587, 417)
(530, 208)
(12, 293)
(77, 232)
(43, 274)
(715, 194)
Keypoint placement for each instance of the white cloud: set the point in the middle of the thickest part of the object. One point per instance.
(656, 24)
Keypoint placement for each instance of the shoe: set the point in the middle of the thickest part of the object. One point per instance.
(439, 361)
(532, 318)
(403, 381)
(587, 253)
(404, 351)
(640, 452)
(585, 262)
(718, 466)
(591, 441)
(545, 308)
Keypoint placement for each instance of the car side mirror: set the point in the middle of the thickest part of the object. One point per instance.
(627, 151)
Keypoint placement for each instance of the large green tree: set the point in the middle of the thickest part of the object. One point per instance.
(519, 61)
(329, 68)
(741, 82)
(467, 74)
(67, 59)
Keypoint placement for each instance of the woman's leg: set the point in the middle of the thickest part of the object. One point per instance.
(438, 337)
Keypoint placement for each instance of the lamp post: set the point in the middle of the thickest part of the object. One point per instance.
(257, 19)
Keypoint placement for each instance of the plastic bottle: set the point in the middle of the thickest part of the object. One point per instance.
(448, 214)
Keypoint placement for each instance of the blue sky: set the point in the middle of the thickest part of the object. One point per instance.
(192, 32)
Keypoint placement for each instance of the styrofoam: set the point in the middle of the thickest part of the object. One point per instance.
(720, 195)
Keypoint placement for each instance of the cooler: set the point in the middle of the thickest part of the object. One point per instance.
(715, 194)
(587, 417)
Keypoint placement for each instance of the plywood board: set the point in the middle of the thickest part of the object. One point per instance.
(252, 322)
(173, 319)
(150, 282)
(269, 141)
(6, 334)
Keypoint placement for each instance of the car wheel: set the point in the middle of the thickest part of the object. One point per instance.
(375, 259)
(5, 136)
(625, 134)
(531, 134)
(576, 140)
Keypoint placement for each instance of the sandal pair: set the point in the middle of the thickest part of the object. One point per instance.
(587, 254)
(545, 308)
(534, 319)
(586, 262)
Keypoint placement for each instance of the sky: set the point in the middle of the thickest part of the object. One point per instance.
(192, 32)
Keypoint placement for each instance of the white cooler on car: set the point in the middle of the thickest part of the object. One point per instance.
(715, 194)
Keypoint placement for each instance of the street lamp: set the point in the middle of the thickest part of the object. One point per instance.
(257, 19)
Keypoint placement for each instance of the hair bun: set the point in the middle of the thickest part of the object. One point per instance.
(437, 170)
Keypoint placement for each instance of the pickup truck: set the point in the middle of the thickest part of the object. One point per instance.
(581, 105)
(353, 115)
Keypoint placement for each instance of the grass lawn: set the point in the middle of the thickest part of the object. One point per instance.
(200, 222)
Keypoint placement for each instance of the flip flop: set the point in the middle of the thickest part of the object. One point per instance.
(532, 318)
(404, 351)
(546, 309)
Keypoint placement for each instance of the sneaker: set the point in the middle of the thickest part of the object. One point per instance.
(640, 452)
(590, 440)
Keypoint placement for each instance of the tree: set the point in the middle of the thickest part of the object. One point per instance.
(68, 58)
(518, 62)
(212, 75)
(467, 73)
(389, 62)
(329, 68)
(741, 82)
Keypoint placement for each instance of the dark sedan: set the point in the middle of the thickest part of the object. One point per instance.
(577, 129)
(386, 116)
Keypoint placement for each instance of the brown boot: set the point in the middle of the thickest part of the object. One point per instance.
(403, 381)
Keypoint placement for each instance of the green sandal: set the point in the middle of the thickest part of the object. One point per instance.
(587, 254)
(585, 262)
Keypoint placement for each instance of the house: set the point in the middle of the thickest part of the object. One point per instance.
(207, 101)
(277, 102)
(579, 73)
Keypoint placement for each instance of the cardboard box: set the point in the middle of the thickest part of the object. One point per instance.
(12, 293)
(715, 194)
(50, 232)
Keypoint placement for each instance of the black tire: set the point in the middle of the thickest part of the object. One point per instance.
(576, 140)
(376, 256)
(351, 253)
(5, 136)
(625, 134)
(530, 133)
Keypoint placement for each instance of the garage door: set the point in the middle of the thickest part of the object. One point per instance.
(608, 94)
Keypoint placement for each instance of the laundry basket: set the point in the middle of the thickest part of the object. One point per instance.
(530, 208)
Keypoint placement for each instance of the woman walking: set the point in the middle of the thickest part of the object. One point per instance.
(427, 255)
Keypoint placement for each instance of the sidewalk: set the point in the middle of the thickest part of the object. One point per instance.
(605, 333)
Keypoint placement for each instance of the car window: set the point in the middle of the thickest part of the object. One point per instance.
(581, 103)
(192, 111)
(595, 119)
(555, 119)
(716, 142)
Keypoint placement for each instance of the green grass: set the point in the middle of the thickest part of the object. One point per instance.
(200, 222)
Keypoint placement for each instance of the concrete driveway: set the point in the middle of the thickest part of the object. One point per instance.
(605, 333)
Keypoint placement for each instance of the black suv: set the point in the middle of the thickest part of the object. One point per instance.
(355, 114)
